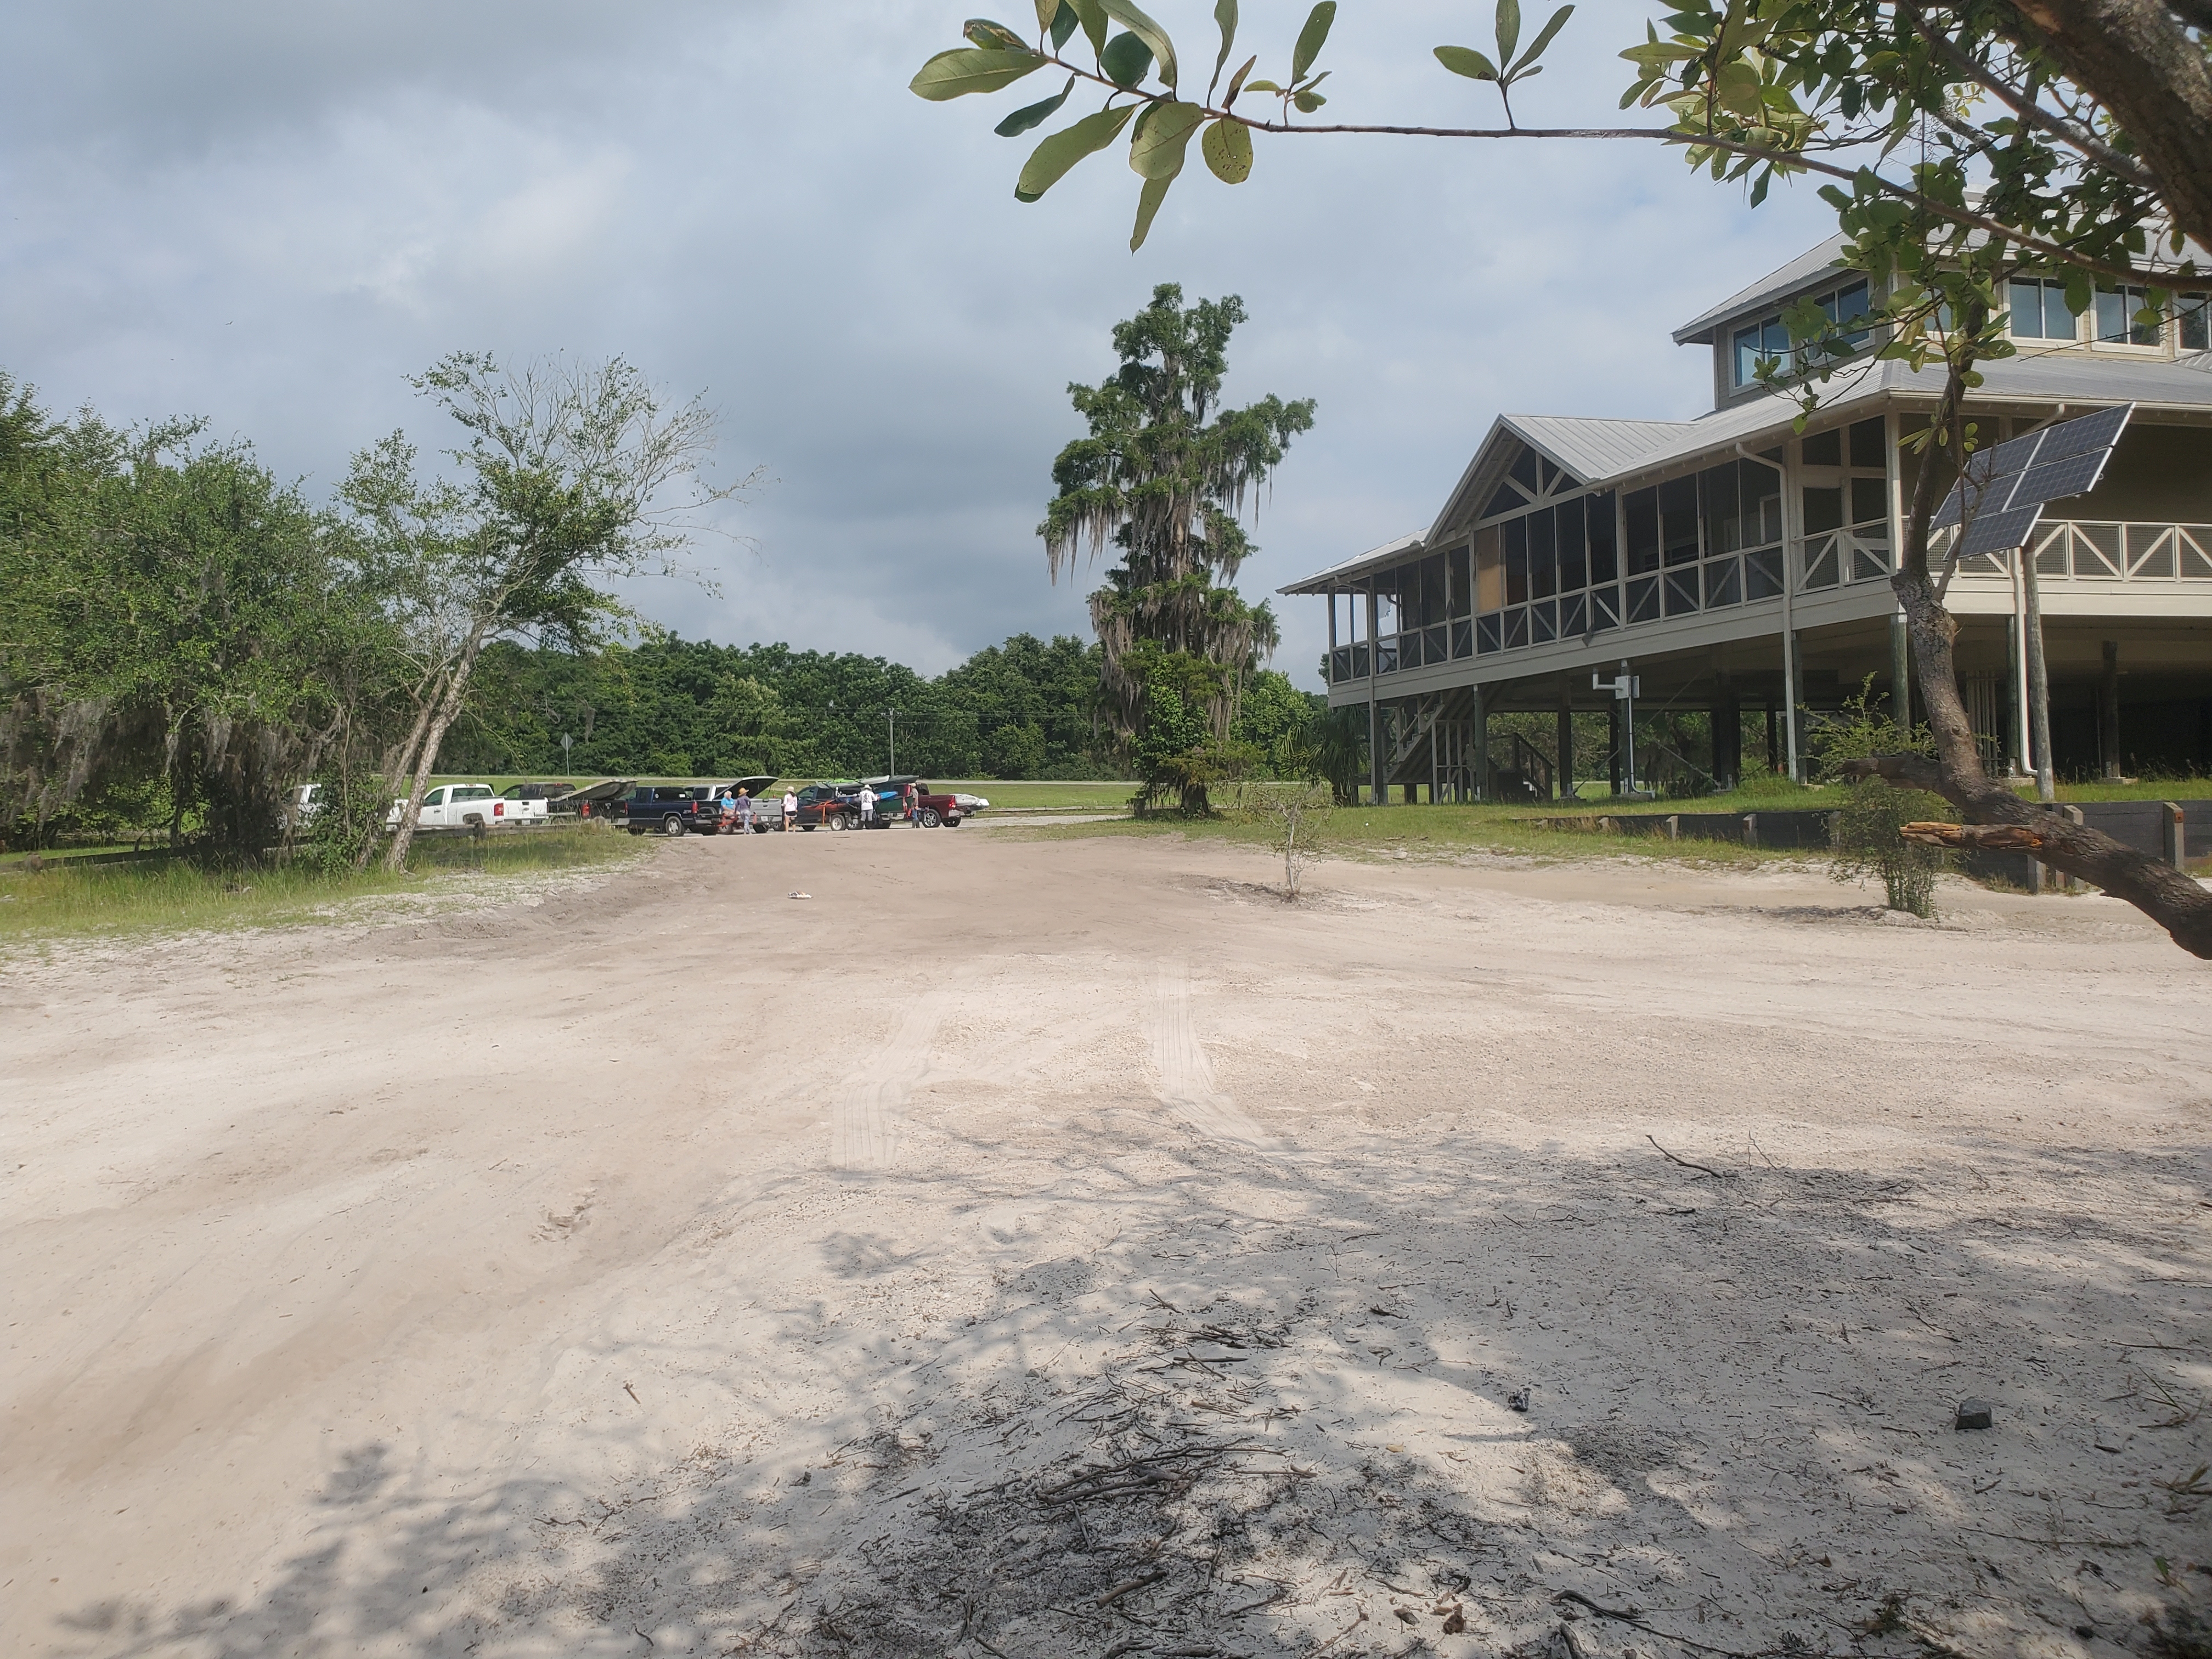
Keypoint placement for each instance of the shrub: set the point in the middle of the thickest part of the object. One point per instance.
(1866, 842)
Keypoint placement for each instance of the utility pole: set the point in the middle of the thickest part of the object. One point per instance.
(892, 714)
(1624, 686)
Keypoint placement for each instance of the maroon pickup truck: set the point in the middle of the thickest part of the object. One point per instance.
(932, 809)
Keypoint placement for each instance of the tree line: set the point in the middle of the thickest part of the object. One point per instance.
(666, 707)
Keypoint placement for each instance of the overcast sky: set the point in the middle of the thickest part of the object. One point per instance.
(267, 213)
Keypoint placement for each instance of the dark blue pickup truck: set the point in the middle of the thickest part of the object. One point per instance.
(675, 809)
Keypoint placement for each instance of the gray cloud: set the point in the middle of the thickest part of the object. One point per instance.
(269, 213)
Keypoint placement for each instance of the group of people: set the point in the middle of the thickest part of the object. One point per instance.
(747, 812)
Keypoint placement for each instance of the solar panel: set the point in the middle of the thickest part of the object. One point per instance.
(2051, 481)
(2001, 492)
(1999, 532)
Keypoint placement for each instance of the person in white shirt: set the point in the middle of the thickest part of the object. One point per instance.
(867, 806)
(790, 810)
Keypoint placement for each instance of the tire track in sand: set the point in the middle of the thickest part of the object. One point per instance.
(865, 1109)
(1183, 1080)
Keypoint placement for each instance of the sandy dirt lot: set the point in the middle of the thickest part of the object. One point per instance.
(1029, 1248)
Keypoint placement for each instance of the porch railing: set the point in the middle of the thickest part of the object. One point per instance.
(2089, 552)
(2094, 553)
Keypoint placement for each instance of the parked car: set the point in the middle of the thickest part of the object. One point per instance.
(607, 799)
(931, 809)
(767, 809)
(307, 802)
(469, 806)
(830, 805)
(675, 809)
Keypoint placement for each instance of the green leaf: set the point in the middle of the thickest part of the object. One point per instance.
(1156, 149)
(1466, 60)
(1126, 59)
(1047, 10)
(1033, 115)
(963, 70)
(1657, 53)
(1225, 14)
(1312, 37)
(1129, 17)
(1735, 89)
(1509, 28)
(1261, 85)
(1148, 203)
(1309, 100)
(993, 37)
(1237, 81)
(1064, 23)
(1092, 15)
(1544, 37)
(1227, 148)
(1049, 162)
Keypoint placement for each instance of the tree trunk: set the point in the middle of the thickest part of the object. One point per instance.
(2156, 82)
(2161, 892)
(448, 708)
(403, 763)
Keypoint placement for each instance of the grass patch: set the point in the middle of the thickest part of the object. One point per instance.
(1443, 833)
(160, 893)
(2144, 789)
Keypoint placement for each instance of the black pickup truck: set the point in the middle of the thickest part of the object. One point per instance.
(674, 809)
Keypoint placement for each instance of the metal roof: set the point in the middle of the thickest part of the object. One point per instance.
(1613, 453)
(1800, 272)
(1592, 449)
(1815, 267)
(1359, 564)
(2060, 378)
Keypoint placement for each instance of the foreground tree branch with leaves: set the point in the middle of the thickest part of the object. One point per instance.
(1963, 143)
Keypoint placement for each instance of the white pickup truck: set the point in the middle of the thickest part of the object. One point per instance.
(469, 806)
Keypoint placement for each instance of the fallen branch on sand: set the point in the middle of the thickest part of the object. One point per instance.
(1706, 1169)
(1137, 1583)
(1632, 1616)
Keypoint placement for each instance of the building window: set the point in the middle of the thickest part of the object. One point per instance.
(1714, 538)
(1768, 339)
(2121, 318)
(2039, 310)
(1761, 341)
(1845, 507)
(1550, 573)
(2194, 313)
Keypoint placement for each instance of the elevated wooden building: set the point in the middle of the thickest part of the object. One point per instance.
(1730, 562)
